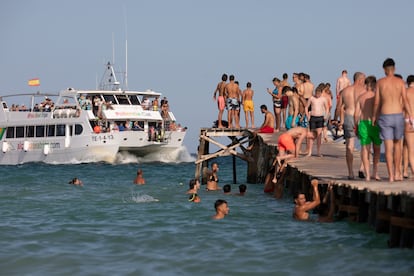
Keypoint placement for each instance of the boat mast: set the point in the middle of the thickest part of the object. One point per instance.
(126, 50)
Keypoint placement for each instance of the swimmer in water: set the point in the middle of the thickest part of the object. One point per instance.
(194, 198)
(76, 181)
(222, 209)
(300, 212)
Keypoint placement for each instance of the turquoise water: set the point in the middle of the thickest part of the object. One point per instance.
(112, 227)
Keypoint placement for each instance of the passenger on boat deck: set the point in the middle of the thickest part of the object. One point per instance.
(173, 126)
(155, 104)
(115, 127)
(164, 101)
(194, 186)
(128, 125)
(139, 179)
(136, 126)
(222, 209)
(212, 178)
(121, 127)
(300, 211)
(145, 103)
(76, 181)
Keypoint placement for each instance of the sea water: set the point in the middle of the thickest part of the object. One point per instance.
(113, 227)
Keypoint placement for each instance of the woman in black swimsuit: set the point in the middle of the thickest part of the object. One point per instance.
(212, 183)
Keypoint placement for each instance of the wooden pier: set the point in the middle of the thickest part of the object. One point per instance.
(388, 207)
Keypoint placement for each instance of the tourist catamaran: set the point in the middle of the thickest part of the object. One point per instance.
(51, 132)
(141, 119)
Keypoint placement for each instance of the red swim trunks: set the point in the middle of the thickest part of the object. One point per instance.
(266, 129)
(286, 143)
(220, 102)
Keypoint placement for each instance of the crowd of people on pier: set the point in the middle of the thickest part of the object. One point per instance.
(372, 111)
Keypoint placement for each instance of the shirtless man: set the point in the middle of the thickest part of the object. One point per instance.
(292, 119)
(248, 105)
(221, 101)
(326, 92)
(390, 101)
(289, 143)
(307, 87)
(302, 102)
(319, 106)
(409, 131)
(341, 83)
(233, 95)
(285, 99)
(347, 107)
(269, 121)
(139, 179)
(368, 134)
(222, 209)
(302, 206)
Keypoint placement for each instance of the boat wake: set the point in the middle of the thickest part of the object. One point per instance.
(179, 155)
(139, 198)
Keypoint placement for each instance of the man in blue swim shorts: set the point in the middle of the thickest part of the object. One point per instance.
(390, 101)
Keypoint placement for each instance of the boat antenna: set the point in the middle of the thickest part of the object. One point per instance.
(113, 49)
(126, 49)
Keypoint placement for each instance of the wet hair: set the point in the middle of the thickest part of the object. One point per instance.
(371, 82)
(286, 89)
(285, 75)
(296, 195)
(410, 79)
(263, 106)
(242, 188)
(227, 188)
(398, 76)
(192, 183)
(192, 197)
(224, 77)
(73, 180)
(344, 71)
(218, 203)
(231, 77)
(249, 84)
(389, 62)
(275, 79)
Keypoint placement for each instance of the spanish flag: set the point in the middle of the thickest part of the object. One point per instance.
(34, 82)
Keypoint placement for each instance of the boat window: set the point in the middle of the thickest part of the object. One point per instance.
(19, 132)
(70, 130)
(109, 98)
(60, 130)
(78, 129)
(29, 131)
(122, 99)
(51, 130)
(40, 131)
(10, 132)
(134, 100)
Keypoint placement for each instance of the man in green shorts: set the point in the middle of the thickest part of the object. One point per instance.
(368, 134)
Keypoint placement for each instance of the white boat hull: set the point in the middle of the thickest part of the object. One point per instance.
(92, 148)
(137, 142)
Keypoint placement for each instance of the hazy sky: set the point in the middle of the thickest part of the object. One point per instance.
(181, 48)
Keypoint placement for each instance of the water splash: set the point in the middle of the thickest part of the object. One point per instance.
(179, 155)
(139, 198)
